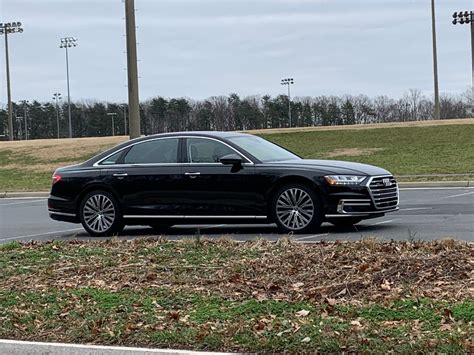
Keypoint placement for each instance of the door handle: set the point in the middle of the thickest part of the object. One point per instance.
(193, 175)
(120, 175)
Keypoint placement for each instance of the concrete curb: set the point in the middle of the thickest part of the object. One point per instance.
(16, 347)
(416, 184)
(26, 194)
(402, 184)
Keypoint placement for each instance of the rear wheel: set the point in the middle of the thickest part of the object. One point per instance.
(100, 214)
(296, 208)
(344, 221)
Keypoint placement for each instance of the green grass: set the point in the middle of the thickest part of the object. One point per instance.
(403, 150)
(247, 297)
(158, 318)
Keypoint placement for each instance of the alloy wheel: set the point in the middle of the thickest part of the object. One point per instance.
(295, 208)
(99, 213)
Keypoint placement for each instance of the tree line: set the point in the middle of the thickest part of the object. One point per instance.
(94, 118)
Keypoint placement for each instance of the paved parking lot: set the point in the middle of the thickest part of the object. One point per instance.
(425, 213)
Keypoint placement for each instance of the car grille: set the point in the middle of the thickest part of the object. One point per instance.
(385, 196)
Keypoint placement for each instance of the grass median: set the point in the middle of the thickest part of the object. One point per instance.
(404, 150)
(253, 296)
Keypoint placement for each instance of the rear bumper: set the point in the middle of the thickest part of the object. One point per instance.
(61, 209)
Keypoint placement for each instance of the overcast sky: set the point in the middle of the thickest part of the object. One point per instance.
(201, 48)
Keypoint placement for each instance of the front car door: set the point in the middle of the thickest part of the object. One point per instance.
(211, 189)
(147, 178)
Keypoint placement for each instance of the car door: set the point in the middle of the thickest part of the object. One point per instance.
(213, 189)
(147, 178)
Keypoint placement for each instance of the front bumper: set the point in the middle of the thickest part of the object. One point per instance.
(374, 198)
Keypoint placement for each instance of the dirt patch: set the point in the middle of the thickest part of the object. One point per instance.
(56, 151)
(352, 152)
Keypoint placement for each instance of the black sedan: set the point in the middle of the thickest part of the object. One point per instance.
(216, 177)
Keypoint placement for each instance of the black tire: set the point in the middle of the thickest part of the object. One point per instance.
(296, 217)
(100, 214)
(344, 221)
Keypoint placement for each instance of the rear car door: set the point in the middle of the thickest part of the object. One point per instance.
(213, 189)
(147, 177)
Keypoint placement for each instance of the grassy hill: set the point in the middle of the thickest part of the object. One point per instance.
(442, 147)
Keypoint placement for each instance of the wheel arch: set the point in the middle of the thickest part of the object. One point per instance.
(294, 179)
(90, 188)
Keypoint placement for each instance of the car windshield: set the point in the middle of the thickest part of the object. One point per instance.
(262, 149)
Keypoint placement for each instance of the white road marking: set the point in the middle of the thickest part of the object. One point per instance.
(458, 195)
(312, 236)
(435, 188)
(19, 203)
(39, 234)
(23, 198)
(62, 348)
(416, 208)
(383, 222)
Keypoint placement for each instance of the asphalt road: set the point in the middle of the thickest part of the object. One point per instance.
(425, 213)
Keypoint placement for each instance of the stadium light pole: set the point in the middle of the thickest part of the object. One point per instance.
(288, 82)
(435, 62)
(57, 97)
(68, 42)
(6, 29)
(112, 114)
(461, 18)
(132, 70)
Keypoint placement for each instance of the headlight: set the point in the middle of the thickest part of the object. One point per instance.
(335, 180)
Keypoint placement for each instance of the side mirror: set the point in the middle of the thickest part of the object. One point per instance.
(231, 159)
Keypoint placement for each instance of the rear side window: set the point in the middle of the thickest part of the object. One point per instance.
(113, 159)
(158, 151)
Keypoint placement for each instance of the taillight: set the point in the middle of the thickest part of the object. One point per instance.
(56, 178)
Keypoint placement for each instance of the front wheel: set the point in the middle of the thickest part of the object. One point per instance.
(296, 208)
(100, 214)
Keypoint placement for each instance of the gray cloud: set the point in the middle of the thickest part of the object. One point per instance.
(199, 48)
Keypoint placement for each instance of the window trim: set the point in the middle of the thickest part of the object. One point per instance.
(179, 157)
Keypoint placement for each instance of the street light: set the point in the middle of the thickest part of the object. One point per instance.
(435, 62)
(112, 114)
(288, 82)
(57, 97)
(25, 103)
(68, 42)
(467, 17)
(6, 29)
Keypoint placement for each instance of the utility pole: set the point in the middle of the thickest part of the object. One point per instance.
(25, 103)
(124, 107)
(288, 82)
(461, 18)
(6, 29)
(112, 114)
(435, 62)
(132, 68)
(68, 42)
(57, 97)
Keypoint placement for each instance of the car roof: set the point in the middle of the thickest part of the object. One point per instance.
(218, 134)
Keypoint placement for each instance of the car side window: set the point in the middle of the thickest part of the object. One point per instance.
(112, 159)
(158, 151)
(200, 150)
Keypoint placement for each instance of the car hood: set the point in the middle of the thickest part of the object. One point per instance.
(335, 166)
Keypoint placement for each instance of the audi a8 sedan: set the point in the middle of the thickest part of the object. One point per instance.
(216, 177)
